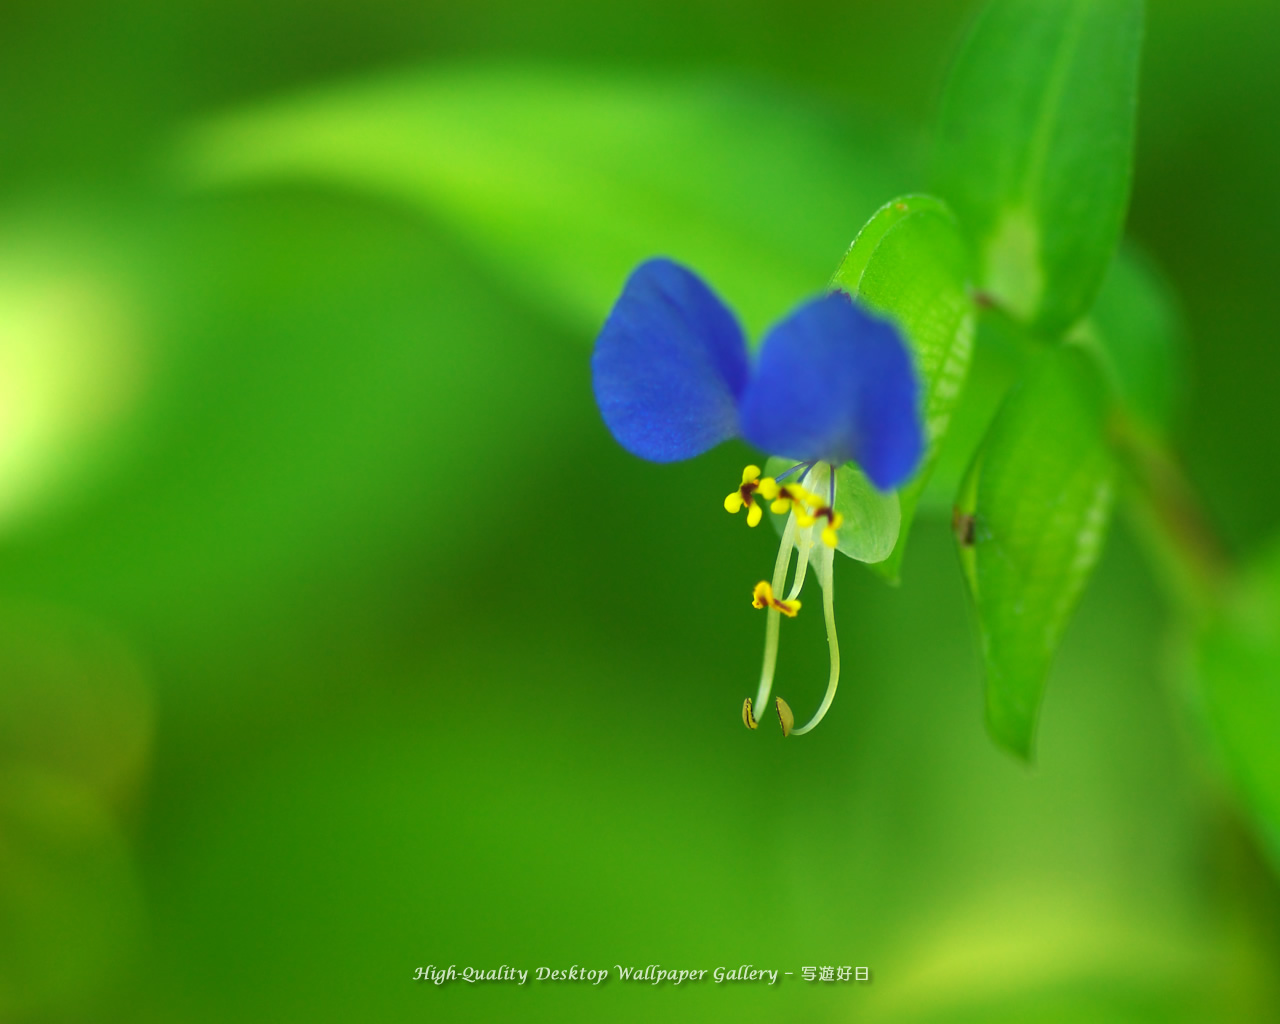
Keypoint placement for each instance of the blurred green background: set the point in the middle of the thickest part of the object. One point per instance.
(337, 638)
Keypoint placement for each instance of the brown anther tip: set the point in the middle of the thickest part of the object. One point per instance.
(748, 719)
(785, 717)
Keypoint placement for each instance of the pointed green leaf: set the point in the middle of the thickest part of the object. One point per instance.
(872, 519)
(1236, 684)
(1001, 352)
(911, 263)
(1035, 148)
(562, 182)
(1030, 523)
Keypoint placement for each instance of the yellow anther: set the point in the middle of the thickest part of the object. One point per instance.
(748, 719)
(794, 497)
(762, 597)
(745, 495)
(831, 534)
(785, 718)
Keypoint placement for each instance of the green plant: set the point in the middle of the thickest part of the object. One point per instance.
(1049, 349)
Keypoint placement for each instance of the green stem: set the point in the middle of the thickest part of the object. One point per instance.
(1171, 521)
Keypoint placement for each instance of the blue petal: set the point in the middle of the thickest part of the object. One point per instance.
(835, 383)
(669, 365)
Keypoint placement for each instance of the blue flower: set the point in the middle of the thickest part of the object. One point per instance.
(832, 384)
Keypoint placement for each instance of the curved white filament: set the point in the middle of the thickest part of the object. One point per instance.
(771, 626)
(828, 609)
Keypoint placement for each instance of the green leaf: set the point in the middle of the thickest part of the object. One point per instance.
(1035, 149)
(563, 182)
(872, 519)
(1136, 325)
(1236, 684)
(1136, 331)
(1030, 523)
(1001, 353)
(911, 263)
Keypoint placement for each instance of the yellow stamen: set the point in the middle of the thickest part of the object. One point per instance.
(794, 497)
(744, 496)
(831, 533)
(762, 597)
(805, 509)
(748, 719)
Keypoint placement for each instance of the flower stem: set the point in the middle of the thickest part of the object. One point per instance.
(1171, 521)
